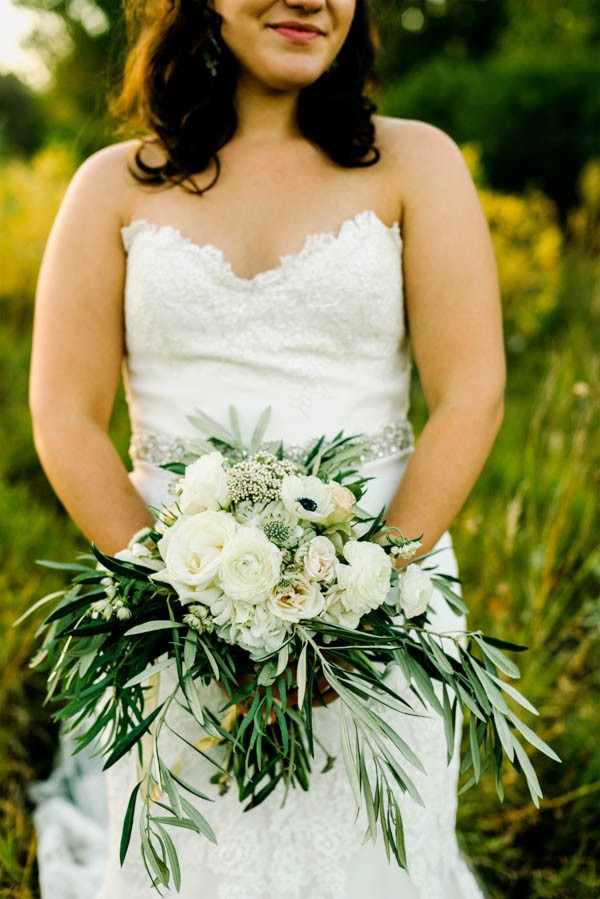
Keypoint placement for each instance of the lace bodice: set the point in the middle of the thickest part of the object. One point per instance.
(321, 337)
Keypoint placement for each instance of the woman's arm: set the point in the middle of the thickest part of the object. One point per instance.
(78, 350)
(455, 327)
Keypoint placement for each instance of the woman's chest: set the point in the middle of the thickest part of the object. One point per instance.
(341, 293)
(261, 211)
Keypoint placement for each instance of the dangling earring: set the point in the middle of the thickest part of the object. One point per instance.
(212, 54)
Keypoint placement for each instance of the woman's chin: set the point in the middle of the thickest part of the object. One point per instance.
(292, 77)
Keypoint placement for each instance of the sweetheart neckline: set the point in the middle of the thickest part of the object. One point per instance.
(311, 242)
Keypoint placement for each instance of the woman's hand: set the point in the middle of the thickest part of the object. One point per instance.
(323, 695)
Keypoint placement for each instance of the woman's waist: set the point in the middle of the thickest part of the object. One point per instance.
(303, 406)
(391, 438)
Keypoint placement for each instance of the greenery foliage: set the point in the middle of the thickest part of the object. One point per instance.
(22, 121)
(30, 193)
(528, 243)
(536, 119)
(413, 31)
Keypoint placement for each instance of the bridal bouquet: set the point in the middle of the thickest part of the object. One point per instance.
(265, 576)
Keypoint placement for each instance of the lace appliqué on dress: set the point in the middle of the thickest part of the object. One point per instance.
(311, 337)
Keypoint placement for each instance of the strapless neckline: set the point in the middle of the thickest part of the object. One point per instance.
(313, 243)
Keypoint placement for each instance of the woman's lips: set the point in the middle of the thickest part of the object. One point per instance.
(298, 35)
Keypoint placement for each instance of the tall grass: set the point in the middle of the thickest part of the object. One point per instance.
(527, 543)
(530, 554)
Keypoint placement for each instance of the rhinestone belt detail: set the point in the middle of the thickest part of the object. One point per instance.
(158, 449)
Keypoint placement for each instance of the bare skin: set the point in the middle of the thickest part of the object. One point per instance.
(451, 286)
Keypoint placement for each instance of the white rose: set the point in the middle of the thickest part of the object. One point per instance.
(416, 589)
(336, 612)
(320, 559)
(302, 599)
(365, 581)
(260, 633)
(192, 549)
(249, 566)
(204, 485)
(306, 497)
(343, 501)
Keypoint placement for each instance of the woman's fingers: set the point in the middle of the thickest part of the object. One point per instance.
(323, 695)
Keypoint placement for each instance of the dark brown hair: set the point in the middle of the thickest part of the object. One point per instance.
(169, 91)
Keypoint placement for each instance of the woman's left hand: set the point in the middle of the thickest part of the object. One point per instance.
(322, 696)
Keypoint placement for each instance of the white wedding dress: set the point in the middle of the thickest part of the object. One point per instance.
(321, 339)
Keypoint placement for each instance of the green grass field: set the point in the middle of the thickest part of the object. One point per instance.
(527, 544)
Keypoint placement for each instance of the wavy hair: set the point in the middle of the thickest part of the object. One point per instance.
(169, 91)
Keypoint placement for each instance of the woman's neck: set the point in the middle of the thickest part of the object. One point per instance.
(265, 115)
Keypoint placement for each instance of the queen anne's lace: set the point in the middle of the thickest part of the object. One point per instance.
(321, 339)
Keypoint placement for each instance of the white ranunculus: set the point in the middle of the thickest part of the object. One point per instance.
(192, 550)
(415, 591)
(365, 581)
(204, 485)
(306, 497)
(260, 633)
(320, 559)
(343, 501)
(302, 599)
(249, 566)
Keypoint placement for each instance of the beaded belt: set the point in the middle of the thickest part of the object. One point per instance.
(158, 449)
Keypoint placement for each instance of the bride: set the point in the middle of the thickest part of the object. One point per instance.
(271, 241)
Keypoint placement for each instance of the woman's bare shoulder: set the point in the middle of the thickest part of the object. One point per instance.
(425, 164)
(411, 135)
(424, 159)
(106, 177)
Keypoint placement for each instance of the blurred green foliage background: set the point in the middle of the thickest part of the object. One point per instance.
(516, 85)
